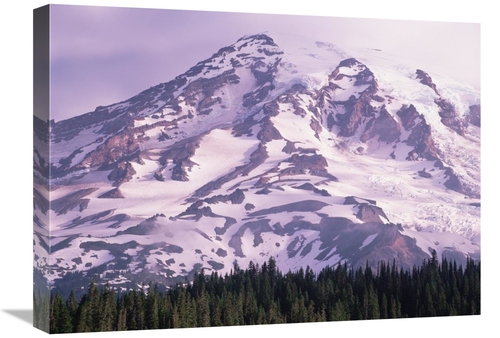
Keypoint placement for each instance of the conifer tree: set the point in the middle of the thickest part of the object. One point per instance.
(203, 312)
(107, 310)
(264, 295)
(151, 308)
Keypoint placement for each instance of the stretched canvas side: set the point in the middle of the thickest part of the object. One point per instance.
(41, 150)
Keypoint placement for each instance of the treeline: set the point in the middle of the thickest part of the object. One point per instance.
(265, 295)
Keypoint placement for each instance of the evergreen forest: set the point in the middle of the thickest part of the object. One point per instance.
(265, 295)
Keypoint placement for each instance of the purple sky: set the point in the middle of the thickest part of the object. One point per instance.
(103, 55)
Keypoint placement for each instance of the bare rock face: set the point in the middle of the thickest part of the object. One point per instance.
(303, 164)
(158, 176)
(122, 173)
(370, 213)
(112, 119)
(422, 141)
(249, 206)
(257, 96)
(367, 210)
(68, 129)
(316, 127)
(271, 108)
(200, 94)
(423, 173)
(311, 187)
(453, 182)
(474, 116)
(221, 252)
(348, 63)
(263, 73)
(449, 117)
(384, 126)
(341, 234)
(356, 110)
(358, 200)
(446, 110)
(180, 154)
(302, 206)
(426, 80)
(204, 106)
(196, 211)
(289, 147)
(330, 121)
(268, 131)
(245, 127)
(364, 77)
(292, 97)
(358, 79)
(264, 191)
(409, 115)
(114, 149)
(114, 193)
(236, 197)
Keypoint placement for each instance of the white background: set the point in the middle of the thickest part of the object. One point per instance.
(16, 164)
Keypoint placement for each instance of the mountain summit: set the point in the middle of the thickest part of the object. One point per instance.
(270, 147)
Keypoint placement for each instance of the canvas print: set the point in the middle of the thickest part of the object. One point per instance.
(197, 169)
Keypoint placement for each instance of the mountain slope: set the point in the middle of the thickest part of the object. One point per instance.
(271, 147)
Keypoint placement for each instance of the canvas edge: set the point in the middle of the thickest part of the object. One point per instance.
(41, 162)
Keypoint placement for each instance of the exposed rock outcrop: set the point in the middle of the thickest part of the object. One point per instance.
(358, 200)
(303, 164)
(474, 116)
(449, 116)
(409, 116)
(303, 206)
(422, 141)
(121, 173)
(425, 174)
(453, 182)
(370, 213)
(426, 80)
(236, 197)
(310, 187)
(268, 131)
(114, 193)
(343, 235)
(117, 148)
(356, 109)
(180, 154)
(384, 126)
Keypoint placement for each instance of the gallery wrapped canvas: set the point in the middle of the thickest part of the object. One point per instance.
(199, 169)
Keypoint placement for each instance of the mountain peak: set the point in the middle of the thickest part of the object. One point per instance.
(264, 37)
(254, 152)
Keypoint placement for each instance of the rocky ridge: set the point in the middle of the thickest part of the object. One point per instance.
(240, 158)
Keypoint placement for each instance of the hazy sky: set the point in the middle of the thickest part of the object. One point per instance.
(102, 55)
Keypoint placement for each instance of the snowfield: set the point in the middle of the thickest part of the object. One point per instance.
(242, 158)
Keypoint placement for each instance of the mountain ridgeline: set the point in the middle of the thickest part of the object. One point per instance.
(272, 147)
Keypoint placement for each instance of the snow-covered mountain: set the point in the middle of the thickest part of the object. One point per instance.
(273, 146)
